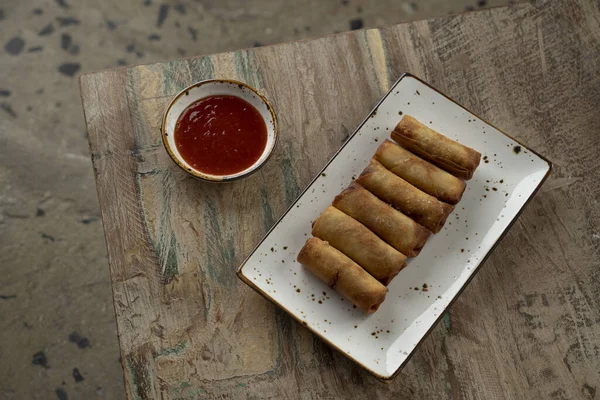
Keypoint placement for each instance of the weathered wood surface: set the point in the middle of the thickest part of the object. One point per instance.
(528, 326)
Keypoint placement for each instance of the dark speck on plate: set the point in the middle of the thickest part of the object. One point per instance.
(517, 149)
(418, 94)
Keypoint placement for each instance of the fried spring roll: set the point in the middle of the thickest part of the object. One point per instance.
(420, 173)
(342, 274)
(357, 242)
(446, 153)
(423, 208)
(398, 230)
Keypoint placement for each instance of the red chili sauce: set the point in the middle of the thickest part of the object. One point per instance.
(220, 135)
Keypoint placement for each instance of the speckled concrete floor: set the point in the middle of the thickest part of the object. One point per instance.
(57, 329)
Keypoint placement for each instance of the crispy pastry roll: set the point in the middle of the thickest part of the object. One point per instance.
(423, 208)
(360, 244)
(446, 153)
(342, 274)
(420, 173)
(398, 230)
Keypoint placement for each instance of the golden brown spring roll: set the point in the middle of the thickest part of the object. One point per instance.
(360, 244)
(420, 173)
(342, 274)
(423, 208)
(446, 153)
(398, 230)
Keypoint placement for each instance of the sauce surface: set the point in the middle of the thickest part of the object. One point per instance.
(220, 135)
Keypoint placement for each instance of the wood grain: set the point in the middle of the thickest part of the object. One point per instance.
(528, 326)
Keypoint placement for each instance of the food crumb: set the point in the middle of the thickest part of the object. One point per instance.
(320, 302)
(323, 174)
(298, 290)
(272, 249)
(285, 247)
(517, 149)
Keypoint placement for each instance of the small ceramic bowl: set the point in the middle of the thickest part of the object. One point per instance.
(214, 87)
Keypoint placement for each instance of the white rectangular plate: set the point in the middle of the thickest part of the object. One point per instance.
(509, 174)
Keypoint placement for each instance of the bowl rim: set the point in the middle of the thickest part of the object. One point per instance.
(218, 178)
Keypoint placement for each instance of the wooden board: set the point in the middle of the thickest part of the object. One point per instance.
(528, 326)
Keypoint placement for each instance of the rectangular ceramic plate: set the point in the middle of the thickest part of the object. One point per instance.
(509, 174)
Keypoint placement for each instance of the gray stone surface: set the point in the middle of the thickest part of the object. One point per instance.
(57, 329)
